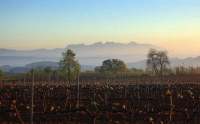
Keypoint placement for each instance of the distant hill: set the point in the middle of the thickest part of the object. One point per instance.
(6, 68)
(82, 50)
(174, 62)
(93, 54)
(43, 63)
(23, 60)
(186, 62)
(28, 67)
(140, 65)
(89, 56)
(55, 65)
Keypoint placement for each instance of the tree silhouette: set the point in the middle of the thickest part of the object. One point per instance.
(68, 64)
(113, 65)
(157, 60)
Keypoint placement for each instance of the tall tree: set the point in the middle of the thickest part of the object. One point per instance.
(157, 60)
(113, 65)
(68, 64)
(48, 70)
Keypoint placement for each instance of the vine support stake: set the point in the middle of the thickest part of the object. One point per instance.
(106, 88)
(138, 93)
(77, 92)
(32, 95)
(126, 84)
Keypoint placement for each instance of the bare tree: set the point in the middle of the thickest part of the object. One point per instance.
(157, 60)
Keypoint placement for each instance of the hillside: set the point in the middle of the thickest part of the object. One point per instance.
(174, 62)
(140, 65)
(92, 54)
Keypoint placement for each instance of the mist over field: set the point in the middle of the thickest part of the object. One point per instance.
(89, 56)
(93, 54)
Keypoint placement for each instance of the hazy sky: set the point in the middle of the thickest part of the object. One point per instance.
(34, 24)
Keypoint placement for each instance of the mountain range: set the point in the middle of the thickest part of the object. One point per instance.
(89, 56)
(92, 54)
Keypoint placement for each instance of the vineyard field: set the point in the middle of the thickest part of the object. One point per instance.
(135, 100)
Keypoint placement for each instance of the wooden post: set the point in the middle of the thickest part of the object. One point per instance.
(82, 83)
(42, 76)
(171, 109)
(107, 80)
(138, 88)
(49, 80)
(77, 92)
(106, 88)
(126, 85)
(24, 79)
(48, 86)
(67, 81)
(148, 84)
(32, 95)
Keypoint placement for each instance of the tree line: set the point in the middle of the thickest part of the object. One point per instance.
(157, 64)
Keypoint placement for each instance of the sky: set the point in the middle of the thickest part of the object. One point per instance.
(49, 24)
